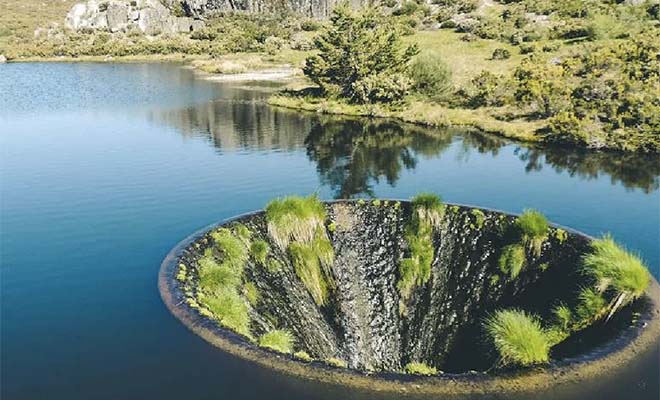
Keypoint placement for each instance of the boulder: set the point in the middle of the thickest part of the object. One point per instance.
(117, 16)
(3, 59)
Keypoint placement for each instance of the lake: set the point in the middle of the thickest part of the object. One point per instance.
(105, 167)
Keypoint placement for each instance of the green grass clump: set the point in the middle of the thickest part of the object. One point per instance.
(311, 263)
(418, 368)
(214, 275)
(512, 260)
(233, 248)
(428, 209)
(533, 228)
(615, 268)
(302, 356)
(518, 337)
(561, 235)
(479, 217)
(563, 316)
(230, 309)
(336, 362)
(295, 218)
(251, 293)
(416, 269)
(279, 340)
(591, 306)
(273, 265)
(259, 250)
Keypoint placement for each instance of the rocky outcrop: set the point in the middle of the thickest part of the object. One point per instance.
(309, 8)
(150, 17)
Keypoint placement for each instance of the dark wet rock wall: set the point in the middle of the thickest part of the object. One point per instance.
(365, 321)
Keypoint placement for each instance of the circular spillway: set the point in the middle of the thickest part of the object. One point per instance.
(398, 296)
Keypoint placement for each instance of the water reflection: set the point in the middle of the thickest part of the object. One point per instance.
(353, 155)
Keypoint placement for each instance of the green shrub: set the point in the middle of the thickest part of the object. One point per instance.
(501, 54)
(430, 75)
(279, 340)
(418, 368)
(490, 90)
(361, 56)
(533, 228)
(518, 337)
(512, 260)
(381, 88)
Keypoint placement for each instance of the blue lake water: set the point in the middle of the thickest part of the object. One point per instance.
(105, 167)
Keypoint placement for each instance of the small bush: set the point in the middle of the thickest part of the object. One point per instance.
(430, 76)
(501, 54)
(512, 260)
(418, 368)
(279, 340)
(518, 337)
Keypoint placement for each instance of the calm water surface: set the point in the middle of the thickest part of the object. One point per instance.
(104, 168)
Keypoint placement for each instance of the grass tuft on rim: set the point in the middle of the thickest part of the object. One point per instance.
(518, 337)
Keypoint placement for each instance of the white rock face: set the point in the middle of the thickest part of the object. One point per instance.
(149, 16)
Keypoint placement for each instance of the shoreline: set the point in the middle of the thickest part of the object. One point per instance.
(597, 363)
(422, 114)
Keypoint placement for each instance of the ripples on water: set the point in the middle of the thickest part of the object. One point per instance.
(104, 167)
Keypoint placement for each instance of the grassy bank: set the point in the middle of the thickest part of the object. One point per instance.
(418, 112)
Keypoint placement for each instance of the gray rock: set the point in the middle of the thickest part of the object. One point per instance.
(150, 17)
(117, 16)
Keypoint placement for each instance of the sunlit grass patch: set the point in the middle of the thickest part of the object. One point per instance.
(613, 267)
(279, 340)
(295, 218)
(518, 337)
(229, 308)
(418, 368)
(534, 229)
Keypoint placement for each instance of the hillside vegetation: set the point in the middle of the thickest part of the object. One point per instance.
(573, 72)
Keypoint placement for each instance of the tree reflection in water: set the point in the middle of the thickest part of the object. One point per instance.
(354, 155)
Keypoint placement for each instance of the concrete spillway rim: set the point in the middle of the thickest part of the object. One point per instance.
(598, 363)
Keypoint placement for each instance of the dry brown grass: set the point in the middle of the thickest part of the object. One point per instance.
(20, 18)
